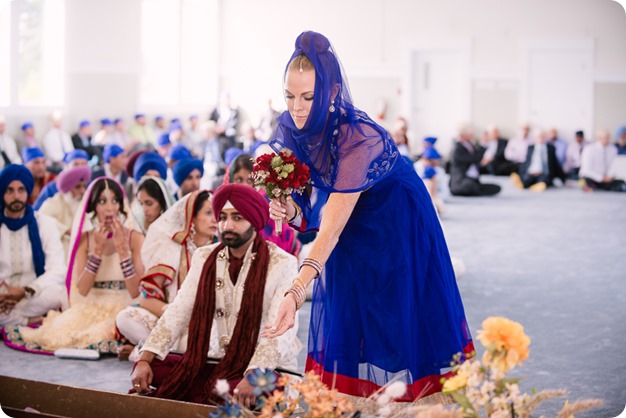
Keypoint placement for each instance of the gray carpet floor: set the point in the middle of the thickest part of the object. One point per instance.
(555, 262)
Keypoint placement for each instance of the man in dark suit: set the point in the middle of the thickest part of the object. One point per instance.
(82, 140)
(494, 162)
(464, 168)
(541, 166)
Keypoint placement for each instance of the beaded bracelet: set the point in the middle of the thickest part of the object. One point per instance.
(314, 264)
(93, 263)
(127, 268)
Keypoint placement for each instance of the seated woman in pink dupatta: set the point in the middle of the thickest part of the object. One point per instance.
(239, 171)
(103, 276)
(170, 243)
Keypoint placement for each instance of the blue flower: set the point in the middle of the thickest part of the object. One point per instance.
(262, 381)
(228, 410)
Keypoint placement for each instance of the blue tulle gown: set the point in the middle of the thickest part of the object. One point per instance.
(388, 304)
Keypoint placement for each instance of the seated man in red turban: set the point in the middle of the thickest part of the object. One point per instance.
(232, 289)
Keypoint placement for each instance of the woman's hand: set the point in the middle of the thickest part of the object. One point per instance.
(281, 210)
(286, 318)
(100, 239)
(120, 238)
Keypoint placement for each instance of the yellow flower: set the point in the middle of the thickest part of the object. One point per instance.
(505, 341)
(455, 383)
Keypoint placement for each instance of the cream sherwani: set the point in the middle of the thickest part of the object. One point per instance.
(271, 353)
(17, 269)
(57, 208)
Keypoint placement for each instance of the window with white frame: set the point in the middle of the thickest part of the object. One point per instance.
(178, 52)
(32, 45)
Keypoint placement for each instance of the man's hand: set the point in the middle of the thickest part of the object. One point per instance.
(6, 305)
(243, 393)
(142, 377)
(14, 293)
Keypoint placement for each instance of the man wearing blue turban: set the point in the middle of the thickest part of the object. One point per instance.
(150, 163)
(115, 166)
(32, 274)
(72, 159)
(35, 161)
(187, 174)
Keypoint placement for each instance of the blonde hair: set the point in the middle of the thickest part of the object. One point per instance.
(301, 63)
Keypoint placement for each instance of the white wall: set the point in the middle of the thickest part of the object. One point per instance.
(372, 37)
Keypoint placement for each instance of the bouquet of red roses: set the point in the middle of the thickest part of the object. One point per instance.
(280, 175)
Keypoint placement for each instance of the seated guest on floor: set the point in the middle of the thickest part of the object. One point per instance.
(187, 174)
(596, 162)
(152, 200)
(102, 278)
(32, 266)
(166, 252)
(232, 290)
(465, 167)
(494, 161)
(62, 207)
(573, 155)
(114, 166)
(71, 159)
(35, 161)
(620, 140)
(541, 166)
(149, 164)
(177, 153)
(239, 171)
(517, 147)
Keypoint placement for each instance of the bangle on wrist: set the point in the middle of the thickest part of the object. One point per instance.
(149, 363)
(127, 268)
(296, 207)
(314, 264)
(93, 263)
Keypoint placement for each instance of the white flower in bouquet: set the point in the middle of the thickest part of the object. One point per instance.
(222, 387)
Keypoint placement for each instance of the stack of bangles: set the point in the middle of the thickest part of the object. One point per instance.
(93, 263)
(127, 268)
(298, 291)
(314, 264)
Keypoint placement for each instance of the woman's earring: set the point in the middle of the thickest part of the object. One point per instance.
(192, 231)
(331, 109)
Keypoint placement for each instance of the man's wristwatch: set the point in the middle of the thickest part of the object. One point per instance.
(28, 292)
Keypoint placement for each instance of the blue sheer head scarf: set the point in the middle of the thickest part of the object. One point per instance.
(344, 148)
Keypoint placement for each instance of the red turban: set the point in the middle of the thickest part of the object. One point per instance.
(248, 202)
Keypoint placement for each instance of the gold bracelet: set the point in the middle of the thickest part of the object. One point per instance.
(296, 207)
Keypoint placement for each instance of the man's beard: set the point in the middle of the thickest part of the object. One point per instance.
(16, 206)
(234, 240)
(71, 202)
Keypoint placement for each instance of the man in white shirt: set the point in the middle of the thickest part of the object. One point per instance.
(595, 163)
(573, 155)
(8, 147)
(56, 143)
(224, 320)
(517, 147)
(32, 268)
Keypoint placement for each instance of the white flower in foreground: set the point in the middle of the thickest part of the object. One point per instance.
(222, 387)
(383, 399)
(396, 390)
